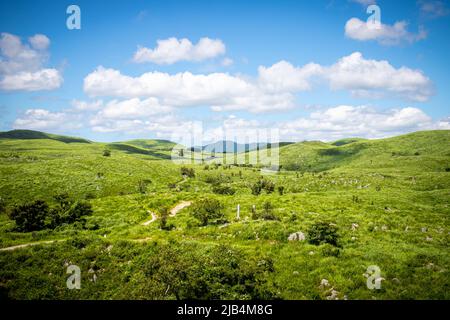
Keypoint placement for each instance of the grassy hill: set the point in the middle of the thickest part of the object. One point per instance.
(389, 200)
(30, 134)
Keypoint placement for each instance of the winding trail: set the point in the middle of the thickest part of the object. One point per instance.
(20, 246)
(178, 207)
(154, 217)
(173, 213)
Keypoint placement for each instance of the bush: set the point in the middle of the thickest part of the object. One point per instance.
(268, 185)
(227, 190)
(268, 211)
(30, 217)
(2, 205)
(187, 172)
(323, 232)
(256, 188)
(280, 190)
(330, 251)
(164, 212)
(206, 210)
(106, 153)
(74, 212)
(142, 185)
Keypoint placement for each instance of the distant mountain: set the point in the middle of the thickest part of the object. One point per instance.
(31, 134)
(231, 147)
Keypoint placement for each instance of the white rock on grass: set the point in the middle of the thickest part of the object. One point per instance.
(333, 295)
(324, 283)
(297, 236)
(354, 226)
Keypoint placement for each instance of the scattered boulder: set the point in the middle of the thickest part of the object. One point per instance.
(354, 226)
(297, 236)
(333, 295)
(324, 283)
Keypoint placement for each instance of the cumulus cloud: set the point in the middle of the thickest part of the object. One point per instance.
(377, 78)
(221, 91)
(356, 121)
(274, 89)
(283, 76)
(41, 119)
(173, 50)
(132, 108)
(79, 105)
(22, 65)
(385, 34)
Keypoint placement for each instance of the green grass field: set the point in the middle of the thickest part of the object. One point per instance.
(389, 200)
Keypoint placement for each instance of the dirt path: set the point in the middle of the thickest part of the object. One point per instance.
(154, 217)
(20, 246)
(179, 207)
(173, 212)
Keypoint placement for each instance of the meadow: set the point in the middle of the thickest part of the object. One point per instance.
(352, 203)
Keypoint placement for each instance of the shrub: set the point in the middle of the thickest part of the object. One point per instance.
(30, 217)
(323, 232)
(2, 205)
(142, 185)
(187, 172)
(447, 169)
(256, 188)
(75, 212)
(164, 213)
(268, 211)
(268, 185)
(330, 251)
(227, 190)
(206, 210)
(106, 153)
(280, 190)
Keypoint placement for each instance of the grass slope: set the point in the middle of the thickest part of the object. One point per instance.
(396, 190)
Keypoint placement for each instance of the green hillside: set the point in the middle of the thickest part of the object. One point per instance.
(30, 134)
(382, 202)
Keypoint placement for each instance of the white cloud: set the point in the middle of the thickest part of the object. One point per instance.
(41, 119)
(378, 78)
(365, 3)
(226, 62)
(39, 41)
(221, 91)
(133, 108)
(87, 105)
(44, 79)
(356, 121)
(22, 65)
(385, 34)
(274, 89)
(433, 8)
(283, 76)
(172, 50)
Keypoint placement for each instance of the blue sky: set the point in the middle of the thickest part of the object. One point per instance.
(304, 67)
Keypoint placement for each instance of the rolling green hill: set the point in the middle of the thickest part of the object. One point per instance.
(30, 134)
(388, 199)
